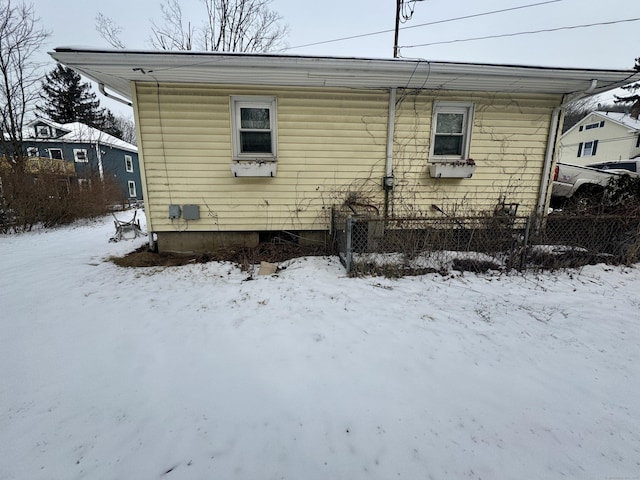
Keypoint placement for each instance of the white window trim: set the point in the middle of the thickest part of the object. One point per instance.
(76, 151)
(56, 149)
(128, 163)
(43, 131)
(466, 108)
(257, 102)
(589, 146)
(84, 184)
(132, 189)
(33, 152)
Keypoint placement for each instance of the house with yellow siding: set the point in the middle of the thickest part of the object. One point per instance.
(235, 145)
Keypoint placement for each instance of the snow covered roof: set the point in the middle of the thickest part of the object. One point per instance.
(118, 69)
(79, 133)
(622, 118)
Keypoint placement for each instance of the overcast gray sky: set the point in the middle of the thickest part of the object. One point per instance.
(72, 23)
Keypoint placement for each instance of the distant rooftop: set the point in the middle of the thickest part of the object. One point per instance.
(79, 132)
(623, 118)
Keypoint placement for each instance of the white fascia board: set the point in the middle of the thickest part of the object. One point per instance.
(117, 69)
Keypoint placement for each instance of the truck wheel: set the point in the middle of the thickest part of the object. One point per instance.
(587, 198)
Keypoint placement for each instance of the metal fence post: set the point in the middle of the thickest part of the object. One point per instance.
(525, 243)
(348, 231)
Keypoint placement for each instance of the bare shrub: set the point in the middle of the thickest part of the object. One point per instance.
(49, 198)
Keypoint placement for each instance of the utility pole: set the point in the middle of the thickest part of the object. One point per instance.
(406, 15)
(395, 41)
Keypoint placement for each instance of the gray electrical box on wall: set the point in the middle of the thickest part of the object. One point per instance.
(191, 212)
(174, 211)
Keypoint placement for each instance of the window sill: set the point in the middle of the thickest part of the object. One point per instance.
(452, 170)
(253, 169)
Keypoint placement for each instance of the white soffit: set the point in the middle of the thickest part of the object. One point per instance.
(117, 69)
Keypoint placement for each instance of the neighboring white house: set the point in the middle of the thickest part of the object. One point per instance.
(601, 137)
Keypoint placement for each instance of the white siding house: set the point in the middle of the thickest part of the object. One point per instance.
(601, 137)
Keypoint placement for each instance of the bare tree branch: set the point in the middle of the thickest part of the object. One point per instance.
(172, 34)
(20, 39)
(229, 26)
(109, 30)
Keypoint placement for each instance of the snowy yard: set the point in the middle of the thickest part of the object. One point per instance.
(195, 372)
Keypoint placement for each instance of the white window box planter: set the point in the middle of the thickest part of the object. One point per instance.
(452, 170)
(253, 169)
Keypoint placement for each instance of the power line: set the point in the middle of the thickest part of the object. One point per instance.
(613, 22)
(424, 24)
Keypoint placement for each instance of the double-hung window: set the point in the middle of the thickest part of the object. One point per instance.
(451, 131)
(128, 163)
(132, 188)
(80, 155)
(588, 149)
(254, 128)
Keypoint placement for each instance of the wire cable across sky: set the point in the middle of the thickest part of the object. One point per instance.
(514, 34)
(381, 32)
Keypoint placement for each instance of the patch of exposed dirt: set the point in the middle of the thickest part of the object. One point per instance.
(243, 256)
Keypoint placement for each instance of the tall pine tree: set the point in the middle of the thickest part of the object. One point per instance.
(67, 99)
(633, 98)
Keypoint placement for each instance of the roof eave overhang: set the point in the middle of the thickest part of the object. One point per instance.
(118, 69)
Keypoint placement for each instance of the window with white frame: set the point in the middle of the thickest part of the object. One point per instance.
(55, 153)
(254, 128)
(451, 131)
(132, 188)
(128, 163)
(43, 131)
(588, 149)
(32, 152)
(84, 184)
(591, 126)
(80, 155)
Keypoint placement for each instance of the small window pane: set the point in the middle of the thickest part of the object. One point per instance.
(450, 123)
(447, 145)
(587, 149)
(255, 142)
(254, 118)
(81, 155)
(55, 153)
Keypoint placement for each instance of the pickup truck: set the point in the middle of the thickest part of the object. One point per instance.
(574, 181)
(621, 166)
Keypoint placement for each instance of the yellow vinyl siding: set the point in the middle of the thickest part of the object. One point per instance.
(331, 144)
(327, 139)
(508, 144)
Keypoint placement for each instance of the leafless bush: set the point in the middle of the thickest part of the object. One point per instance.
(48, 198)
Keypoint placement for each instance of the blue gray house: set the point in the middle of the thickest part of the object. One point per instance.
(93, 152)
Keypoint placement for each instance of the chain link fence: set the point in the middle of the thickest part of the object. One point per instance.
(406, 246)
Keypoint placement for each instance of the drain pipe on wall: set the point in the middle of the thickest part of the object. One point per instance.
(387, 181)
(551, 146)
(113, 97)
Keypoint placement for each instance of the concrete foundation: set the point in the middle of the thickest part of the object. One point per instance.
(200, 242)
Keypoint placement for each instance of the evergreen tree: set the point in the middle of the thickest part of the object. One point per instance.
(108, 123)
(634, 97)
(67, 99)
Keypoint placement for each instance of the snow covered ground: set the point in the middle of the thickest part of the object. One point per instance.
(196, 372)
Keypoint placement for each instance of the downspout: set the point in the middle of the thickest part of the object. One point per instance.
(113, 97)
(100, 167)
(387, 181)
(551, 143)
